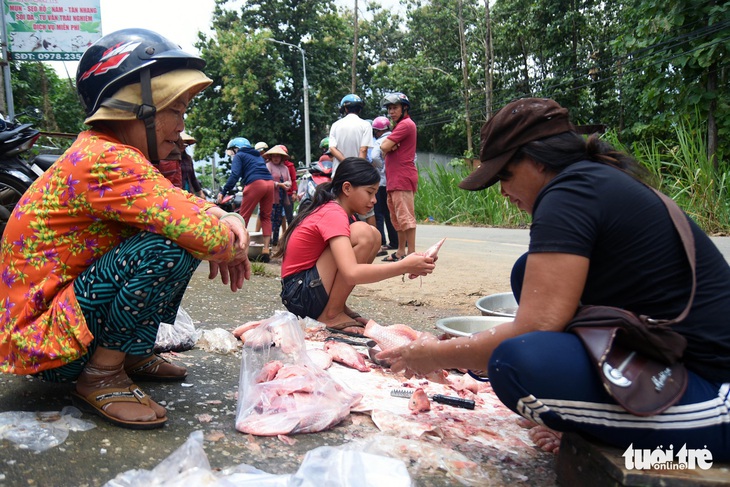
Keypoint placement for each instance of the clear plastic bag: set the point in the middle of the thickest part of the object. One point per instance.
(328, 466)
(218, 340)
(43, 430)
(280, 390)
(322, 467)
(179, 336)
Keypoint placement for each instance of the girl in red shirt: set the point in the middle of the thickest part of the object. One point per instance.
(325, 254)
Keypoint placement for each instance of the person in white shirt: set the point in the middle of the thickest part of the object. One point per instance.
(350, 136)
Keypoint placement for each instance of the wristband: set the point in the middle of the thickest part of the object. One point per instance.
(235, 216)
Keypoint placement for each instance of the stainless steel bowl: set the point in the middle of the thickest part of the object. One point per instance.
(464, 326)
(501, 304)
(256, 237)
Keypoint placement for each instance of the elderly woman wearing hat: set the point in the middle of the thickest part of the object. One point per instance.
(101, 247)
(275, 161)
(599, 236)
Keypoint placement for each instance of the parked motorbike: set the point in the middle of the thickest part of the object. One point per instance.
(17, 173)
(230, 202)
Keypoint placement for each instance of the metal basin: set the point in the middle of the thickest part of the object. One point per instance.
(256, 244)
(256, 237)
(464, 326)
(501, 304)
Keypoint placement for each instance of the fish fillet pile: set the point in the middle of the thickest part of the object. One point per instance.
(289, 399)
(281, 390)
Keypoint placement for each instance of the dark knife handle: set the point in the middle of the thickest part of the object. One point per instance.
(455, 401)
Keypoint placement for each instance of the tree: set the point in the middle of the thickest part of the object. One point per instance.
(36, 85)
(674, 58)
(257, 91)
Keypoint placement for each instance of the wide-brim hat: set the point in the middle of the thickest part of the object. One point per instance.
(277, 149)
(187, 139)
(513, 126)
(166, 88)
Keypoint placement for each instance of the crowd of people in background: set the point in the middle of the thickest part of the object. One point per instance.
(378, 141)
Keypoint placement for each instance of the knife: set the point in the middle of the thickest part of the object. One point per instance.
(456, 401)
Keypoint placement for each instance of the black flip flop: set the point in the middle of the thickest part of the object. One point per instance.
(393, 258)
(347, 333)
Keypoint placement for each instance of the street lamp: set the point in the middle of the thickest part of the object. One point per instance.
(308, 147)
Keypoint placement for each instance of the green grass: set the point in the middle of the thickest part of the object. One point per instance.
(439, 199)
(681, 169)
(258, 269)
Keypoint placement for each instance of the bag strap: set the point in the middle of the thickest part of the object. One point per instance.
(685, 234)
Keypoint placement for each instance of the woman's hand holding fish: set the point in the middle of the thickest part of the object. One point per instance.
(416, 358)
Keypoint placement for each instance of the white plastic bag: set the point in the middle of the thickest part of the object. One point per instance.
(280, 390)
(322, 467)
(329, 466)
(177, 337)
(218, 340)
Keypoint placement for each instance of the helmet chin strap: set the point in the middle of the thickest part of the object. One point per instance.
(149, 120)
(145, 112)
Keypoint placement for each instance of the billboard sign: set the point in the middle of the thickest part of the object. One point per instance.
(51, 30)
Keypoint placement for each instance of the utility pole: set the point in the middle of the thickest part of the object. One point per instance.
(305, 88)
(465, 80)
(354, 53)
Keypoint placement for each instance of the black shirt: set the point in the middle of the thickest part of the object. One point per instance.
(637, 260)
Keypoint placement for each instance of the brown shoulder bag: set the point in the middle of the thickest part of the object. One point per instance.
(638, 358)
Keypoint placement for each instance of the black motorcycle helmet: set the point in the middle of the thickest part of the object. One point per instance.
(125, 57)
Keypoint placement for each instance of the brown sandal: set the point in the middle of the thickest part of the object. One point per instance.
(156, 368)
(95, 401)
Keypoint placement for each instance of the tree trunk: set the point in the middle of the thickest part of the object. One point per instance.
(50, 120)
(488, 61)
(3, 106)
(354, 53)
(712, 137)
(465, 77)
(525, 69)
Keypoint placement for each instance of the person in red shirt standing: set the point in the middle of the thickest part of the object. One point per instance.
(401, 173)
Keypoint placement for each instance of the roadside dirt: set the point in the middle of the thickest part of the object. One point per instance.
(456, 283)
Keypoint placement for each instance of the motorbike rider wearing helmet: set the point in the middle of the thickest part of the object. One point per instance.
(100, 249)
(324, 146)
(249, 167)
(401, 173)
(350, 136)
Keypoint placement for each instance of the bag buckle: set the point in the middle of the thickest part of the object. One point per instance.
(616, 374)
